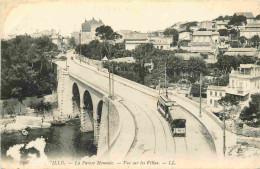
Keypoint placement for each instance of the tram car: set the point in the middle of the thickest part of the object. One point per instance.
(175, 118)
(164, 105)
(177, 122)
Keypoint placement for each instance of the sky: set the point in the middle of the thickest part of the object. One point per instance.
(147, 15)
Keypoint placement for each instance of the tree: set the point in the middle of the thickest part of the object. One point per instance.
(252, 113)
(257, 17)
(255, 40)
(142, 53)
(174, 33)
(223, 32)
(221, 81)
(226, 62)
(26, 67)
(242, 39)
(9, 106)
(233, 32)
(227, 102)
(72, 42)
(237, 20)
(247, 59)
(108, 36)
(197, 65)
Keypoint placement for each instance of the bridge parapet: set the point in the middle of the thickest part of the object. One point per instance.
(209, 121)
(121, 131)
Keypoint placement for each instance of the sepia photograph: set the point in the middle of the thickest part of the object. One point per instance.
(130, 84)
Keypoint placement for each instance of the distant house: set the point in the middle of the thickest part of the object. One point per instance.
(131, 44)
(242, 83)
(251, 29)
(206, 25)
(242, 51)
(88, 30)
(214, 93)
(205, 41)
(185, 36)
(220, 25)
(133, 39)
(163, 43)
(249, 16)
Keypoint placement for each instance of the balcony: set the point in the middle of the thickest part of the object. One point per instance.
(241, 74)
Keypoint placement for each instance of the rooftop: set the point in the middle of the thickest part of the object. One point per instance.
(248, 65)
(202, 33)
(242, 49)
(219, 88)
(248, 15)
(254, 24)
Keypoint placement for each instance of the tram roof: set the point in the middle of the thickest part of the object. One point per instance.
(176, 113)
(166, 100)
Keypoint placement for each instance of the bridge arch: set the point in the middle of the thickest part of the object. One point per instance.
(76, 98)
(87, 107)
(99, 111)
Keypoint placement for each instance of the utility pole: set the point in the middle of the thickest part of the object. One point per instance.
(113, 94)
(165, 80)
(224, 132)
(159, 86)
(200, 94)
(108, 139)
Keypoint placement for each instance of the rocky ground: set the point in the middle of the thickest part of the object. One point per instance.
(243, 150)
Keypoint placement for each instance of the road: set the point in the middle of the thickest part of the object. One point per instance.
(152, 134)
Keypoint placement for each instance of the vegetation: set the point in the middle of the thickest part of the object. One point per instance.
(223, 32)
(221, 81)
(27, 67)
(251, 114)
(174, 33)
(221, 18)
(72, 42)
(237, 20)
(226, 63)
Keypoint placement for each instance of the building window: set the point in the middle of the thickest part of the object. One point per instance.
(220, 94)
(210, 93)
(161, 47)
(216, 94)
(210, 101)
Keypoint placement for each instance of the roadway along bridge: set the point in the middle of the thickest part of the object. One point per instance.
(136, 129)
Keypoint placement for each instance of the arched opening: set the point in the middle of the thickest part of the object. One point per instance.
(99, 111)
(76, 99)
(88, 105)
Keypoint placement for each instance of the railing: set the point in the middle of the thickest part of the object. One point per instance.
(210, 114)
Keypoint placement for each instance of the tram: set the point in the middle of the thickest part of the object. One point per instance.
(164, 105)
(176, 120)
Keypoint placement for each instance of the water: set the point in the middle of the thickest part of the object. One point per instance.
(61, 142)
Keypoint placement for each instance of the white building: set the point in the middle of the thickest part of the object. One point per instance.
(163, 43)
(214, 93)
(245, 80)
(185, 36)
(88, 30)
(205, 41)
(242, 51)
(221, 25)
(242, 83)
(251, 29)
